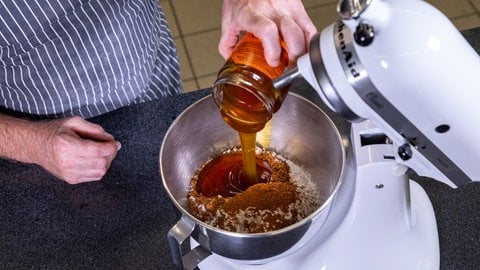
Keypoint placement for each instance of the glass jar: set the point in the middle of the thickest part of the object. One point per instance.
(243, 89)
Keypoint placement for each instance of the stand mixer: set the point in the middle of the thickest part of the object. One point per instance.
(406, 79)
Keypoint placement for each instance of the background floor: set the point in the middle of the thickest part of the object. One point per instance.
(195, 25)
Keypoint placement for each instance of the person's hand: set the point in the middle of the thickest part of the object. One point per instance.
(268, 20)
(75, 150)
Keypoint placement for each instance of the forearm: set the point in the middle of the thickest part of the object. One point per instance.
(19, 139)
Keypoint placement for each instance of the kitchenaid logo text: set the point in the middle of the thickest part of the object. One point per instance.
(346, 48)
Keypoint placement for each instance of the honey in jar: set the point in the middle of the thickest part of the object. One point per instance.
(247, 100)
(244, 90)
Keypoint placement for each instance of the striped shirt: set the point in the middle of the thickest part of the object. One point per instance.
(84, 57)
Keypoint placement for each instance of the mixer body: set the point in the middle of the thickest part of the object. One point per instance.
(404, 66)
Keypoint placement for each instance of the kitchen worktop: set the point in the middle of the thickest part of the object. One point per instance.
(122, 221)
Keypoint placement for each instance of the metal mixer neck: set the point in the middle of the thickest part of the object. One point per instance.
(348, 9)
(286, 78)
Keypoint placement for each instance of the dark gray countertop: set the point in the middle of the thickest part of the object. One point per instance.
(122, 221)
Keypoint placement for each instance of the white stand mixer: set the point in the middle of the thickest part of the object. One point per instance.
(408, 81)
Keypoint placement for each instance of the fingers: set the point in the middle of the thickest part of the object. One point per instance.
(294, 37)
(260, 26)
(81, 160)
(88, 130)
(268, 20)
(309, 29)
(297, 30)
(270, 37)
(92, 149)
(227, 43)
(87, 160)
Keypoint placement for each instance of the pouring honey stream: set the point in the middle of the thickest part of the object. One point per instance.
(247, 101)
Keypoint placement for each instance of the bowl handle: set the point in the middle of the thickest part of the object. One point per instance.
(176, 236)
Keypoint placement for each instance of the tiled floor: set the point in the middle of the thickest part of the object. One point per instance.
(195, 25)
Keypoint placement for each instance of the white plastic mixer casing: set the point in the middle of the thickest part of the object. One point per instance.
(422, 65)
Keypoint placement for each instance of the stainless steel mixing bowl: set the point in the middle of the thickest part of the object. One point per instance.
(300, 131)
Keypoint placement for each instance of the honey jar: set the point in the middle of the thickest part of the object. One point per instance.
(243, 89)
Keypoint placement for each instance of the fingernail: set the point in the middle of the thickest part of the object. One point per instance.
(119, 145)
(274, 63)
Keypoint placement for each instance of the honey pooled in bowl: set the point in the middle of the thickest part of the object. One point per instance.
(286, 197)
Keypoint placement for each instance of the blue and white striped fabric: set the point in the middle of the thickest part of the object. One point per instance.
(84, 57)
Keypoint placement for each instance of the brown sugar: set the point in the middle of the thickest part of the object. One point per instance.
(262, 207)
(273, 200)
